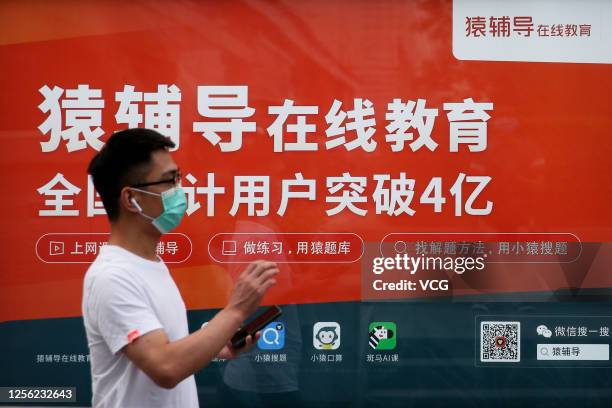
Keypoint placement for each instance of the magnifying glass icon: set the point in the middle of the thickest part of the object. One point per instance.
(544, 351)
(400, 247)
(272, 338)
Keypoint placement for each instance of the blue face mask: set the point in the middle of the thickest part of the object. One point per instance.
(174, 201)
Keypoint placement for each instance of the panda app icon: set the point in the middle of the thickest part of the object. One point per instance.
(326, 335)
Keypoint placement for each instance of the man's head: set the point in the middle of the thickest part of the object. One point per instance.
(130, 172)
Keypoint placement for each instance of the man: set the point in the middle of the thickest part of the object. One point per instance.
(142, 354)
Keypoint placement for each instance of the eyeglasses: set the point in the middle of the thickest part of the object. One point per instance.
(175, 179)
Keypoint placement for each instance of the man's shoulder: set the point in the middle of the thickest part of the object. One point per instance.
(108, 264)
(109, 273)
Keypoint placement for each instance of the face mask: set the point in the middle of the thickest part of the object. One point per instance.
(174, 201)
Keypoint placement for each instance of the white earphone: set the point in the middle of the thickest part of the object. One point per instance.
(133, 201)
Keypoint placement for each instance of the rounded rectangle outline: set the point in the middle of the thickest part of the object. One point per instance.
(495, 233)
(287, 233)
(102, 233)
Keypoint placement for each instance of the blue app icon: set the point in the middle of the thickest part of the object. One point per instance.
(272, 337)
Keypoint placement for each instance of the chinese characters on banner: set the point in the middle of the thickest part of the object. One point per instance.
(74, 121)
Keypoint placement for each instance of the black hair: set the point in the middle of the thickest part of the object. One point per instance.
(124, 160)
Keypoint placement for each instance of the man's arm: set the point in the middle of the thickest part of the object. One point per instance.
(168, 363)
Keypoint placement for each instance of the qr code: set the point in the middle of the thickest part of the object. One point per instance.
(500, 341)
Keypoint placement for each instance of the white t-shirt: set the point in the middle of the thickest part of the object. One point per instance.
(126, 296)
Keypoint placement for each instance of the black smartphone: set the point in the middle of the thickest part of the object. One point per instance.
(254, 325)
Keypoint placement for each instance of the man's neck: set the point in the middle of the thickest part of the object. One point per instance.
(133, 239)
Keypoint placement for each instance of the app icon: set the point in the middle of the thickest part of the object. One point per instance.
(326, 335)
(272, 337)
(382, 335)
(542, 330)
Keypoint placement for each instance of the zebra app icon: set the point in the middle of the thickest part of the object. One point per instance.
(382, 335)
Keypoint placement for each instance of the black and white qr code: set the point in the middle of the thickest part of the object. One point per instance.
(500, 341)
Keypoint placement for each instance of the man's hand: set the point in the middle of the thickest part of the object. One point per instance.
(168, 363)
(228, 352)
(251, 286)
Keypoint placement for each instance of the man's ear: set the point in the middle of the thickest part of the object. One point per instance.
(128, 200)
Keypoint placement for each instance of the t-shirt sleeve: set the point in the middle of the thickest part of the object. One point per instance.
(122, 310)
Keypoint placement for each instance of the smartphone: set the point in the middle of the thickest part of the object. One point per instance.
(258, 323)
